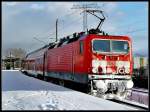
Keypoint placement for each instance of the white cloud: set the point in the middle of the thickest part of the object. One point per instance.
(23, 20)
(110, 28)
(37, 6)
(110, 6)
(10, 3)
(120, 14)
(62, 8)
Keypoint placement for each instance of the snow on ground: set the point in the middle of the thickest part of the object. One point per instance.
(21, 92)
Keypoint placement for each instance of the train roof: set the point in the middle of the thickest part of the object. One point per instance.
(44, 47)
(74, 37)
(70, 38)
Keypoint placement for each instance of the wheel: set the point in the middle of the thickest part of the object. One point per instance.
(61, 82)
(45, 79)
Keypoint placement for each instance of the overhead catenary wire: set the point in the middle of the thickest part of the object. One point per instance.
(121, 28)
(69, 24)
(53, 30)
(84, 7)
(130, 24)
(137, 30)
(75, 12)
(62, 28)
(39, 40)
(133, 31)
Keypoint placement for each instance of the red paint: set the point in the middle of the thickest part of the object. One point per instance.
(69, 59)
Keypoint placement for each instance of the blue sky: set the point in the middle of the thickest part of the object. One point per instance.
(21, 21)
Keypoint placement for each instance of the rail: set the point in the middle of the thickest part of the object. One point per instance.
(140, 90)
(131, 104)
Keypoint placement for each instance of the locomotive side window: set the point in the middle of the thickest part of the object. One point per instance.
(81, 47)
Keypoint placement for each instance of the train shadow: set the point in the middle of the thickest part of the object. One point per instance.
(67, 84)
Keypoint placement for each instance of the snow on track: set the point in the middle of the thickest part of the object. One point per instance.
(21, 92)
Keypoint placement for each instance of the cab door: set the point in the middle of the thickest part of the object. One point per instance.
(45, 64)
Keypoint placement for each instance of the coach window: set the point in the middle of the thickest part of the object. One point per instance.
(81, 47)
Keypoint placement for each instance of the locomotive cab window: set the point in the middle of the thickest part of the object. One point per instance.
(120, 46)
(81, 47)
(113, 46)
(101, 45)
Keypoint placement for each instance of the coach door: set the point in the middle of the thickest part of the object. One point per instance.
(45, 64)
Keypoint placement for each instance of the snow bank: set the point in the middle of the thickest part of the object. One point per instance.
(20, 92)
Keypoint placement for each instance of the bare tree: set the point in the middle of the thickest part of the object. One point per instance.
(16, 52)
(14, 56)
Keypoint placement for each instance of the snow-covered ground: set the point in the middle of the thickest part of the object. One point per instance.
(21, 92)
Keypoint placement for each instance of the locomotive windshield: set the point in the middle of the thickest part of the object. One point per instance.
(101, 45)
(114, 46)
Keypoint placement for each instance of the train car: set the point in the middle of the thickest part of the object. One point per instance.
(102, 62)
(33, 63)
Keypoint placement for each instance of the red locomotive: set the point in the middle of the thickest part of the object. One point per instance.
(100, 61)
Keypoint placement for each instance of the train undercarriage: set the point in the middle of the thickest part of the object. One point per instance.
(106, 88)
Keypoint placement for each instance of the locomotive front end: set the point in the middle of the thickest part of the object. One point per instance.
(111, 67)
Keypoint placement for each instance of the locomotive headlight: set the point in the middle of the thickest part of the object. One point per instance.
(127, 70)
(95, 63)
(94, 70)
(129, 84)
(127, 64)
(103, 63)
(119, 63)
(121, 70)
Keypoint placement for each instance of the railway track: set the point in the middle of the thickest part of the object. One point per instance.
(139, 95)
(136, 105)
(141, 90)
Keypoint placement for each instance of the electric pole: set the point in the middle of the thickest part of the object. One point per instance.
(56, 30)
(85, 18)
(10, 61)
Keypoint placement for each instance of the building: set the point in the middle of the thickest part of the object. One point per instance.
(11, 62)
